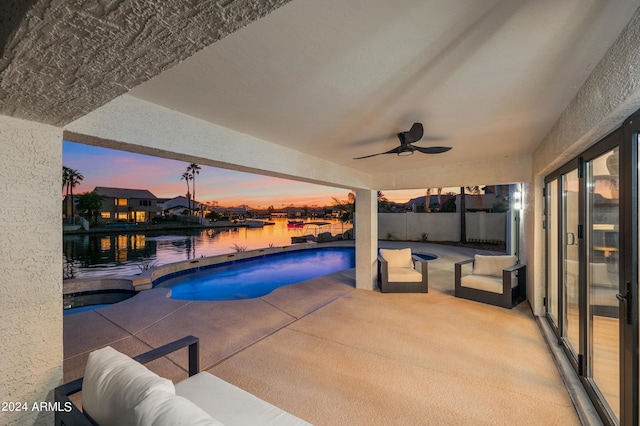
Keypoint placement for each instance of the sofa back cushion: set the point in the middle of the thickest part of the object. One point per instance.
(114, 384)
(492, 265)
(400, 258)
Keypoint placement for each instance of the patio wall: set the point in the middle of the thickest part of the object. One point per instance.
(31, 265)
(441, 226)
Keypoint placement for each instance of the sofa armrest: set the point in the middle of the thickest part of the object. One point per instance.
(521, 273)
(458, 273)
(189, 341)
(383, 272)
(516, 267)
(76, 417)
(72, 417)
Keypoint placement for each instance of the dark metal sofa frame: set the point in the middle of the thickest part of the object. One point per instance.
(509, 298)
(403, 287)
(75, 417)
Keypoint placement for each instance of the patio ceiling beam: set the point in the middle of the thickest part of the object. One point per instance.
(131, 124)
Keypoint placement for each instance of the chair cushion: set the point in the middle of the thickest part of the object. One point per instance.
(162, 408)
(114, 384)
(404, 275)
(486, 283)
(492, 265)
(400, 258)
(232, 405)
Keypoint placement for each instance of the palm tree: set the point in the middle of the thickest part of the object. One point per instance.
(347, 209)
(186, 176)
(194, 169)
(473, 190)
(71, 178)
(427, 202)
(89, 205)
(65, 184)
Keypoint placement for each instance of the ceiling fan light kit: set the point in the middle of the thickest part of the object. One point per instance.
(406, 139)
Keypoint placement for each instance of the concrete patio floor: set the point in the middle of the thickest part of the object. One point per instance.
(336, 355)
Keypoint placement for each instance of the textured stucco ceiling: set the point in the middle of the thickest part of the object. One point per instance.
(338, 79)
(62, 59)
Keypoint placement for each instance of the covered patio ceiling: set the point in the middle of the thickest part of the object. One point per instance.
(338, 79)
(332, 79)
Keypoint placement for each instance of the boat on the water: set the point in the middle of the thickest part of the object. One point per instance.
(319, 232)
(253, 223)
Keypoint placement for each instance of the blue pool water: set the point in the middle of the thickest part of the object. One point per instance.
(251, 278)
(259, 276)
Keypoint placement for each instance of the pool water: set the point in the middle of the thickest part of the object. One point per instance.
(259, 276)
(250, 278)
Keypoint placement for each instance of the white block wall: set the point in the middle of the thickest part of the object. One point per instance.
(31, 352)
(441, 226)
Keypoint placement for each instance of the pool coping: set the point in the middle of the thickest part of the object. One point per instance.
(146, 280)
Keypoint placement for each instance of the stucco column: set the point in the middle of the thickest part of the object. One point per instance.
(31, 263)
(366, 239)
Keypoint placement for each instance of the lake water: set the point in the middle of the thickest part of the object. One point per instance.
(127, 253)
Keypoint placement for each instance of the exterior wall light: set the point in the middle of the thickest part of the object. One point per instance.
(517, 205)
(517, 200)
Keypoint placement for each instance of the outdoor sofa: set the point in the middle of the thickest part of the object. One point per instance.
(496, 280)
(118, 390)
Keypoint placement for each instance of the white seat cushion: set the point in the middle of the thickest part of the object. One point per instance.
(397, 258)
(165, 409)
(114, 384)
(406, 275)
(485, 283)
(232, 405)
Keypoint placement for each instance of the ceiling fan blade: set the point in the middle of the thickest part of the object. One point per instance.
(391, 151)
(414, 134)
(432, 149)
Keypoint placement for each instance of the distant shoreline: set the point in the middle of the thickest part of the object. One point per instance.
(143, 227)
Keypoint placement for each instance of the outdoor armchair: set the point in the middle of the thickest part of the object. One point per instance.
(402, 272)
(496, 280)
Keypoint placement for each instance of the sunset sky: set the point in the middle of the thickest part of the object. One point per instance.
(119, 169)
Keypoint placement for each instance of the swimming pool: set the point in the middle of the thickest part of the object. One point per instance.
(249, 278)
(255, 277)
(74, 303)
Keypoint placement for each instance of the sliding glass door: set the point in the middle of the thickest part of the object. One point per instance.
(603, 278)
(553, 230)
(591, 217)
(570, 262)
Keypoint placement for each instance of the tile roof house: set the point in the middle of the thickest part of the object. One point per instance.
(130, 205)
(178, 205)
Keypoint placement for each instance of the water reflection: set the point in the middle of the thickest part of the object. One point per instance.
(131, 253)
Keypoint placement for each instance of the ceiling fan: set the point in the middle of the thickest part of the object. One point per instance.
(406, 139)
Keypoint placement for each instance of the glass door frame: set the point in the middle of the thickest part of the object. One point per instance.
(627, 140)
(608, 143)
(630, 210)
(554, 323)
(576, 359)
